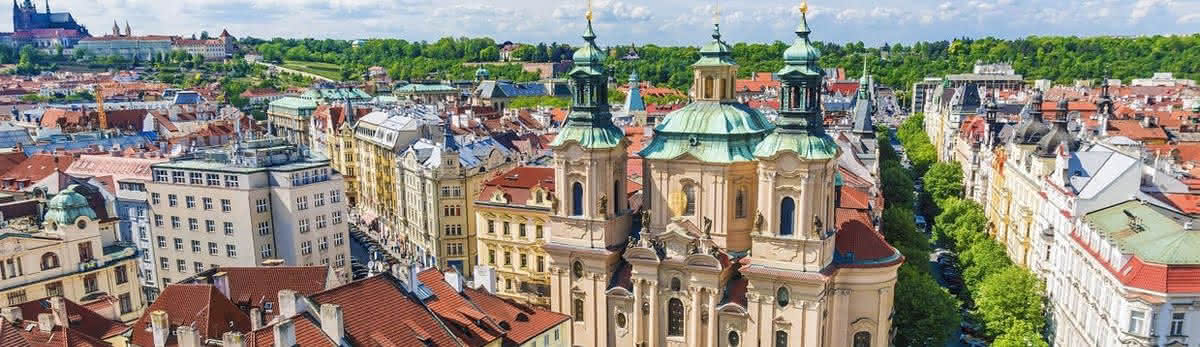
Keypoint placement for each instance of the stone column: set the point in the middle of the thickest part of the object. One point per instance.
(635, 320)
(692, 326)
(713, 326)
(653, 324)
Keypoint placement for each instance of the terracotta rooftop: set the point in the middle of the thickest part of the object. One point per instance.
(524, 322)
(38, 167)
(470, 324)
(81, 319)
(856, 236)
(253, 287)
(198, 305)
(365, 301)
(518, 184)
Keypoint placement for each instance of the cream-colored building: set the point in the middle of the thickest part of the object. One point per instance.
(436, 186)
(73, 254)
(511, 214)
(257, 200)
(1027, 162)
(379, 139)
(738, 245)
(290, 118)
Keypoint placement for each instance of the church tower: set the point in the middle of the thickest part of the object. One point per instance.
(590, 223)
(797, 169)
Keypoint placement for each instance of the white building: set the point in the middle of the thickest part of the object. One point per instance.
(1163, 79)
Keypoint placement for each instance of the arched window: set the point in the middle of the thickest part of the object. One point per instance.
(739, 203)
(675, 284)
(577, 309)
(689, 193)
(577, 199)
(675, 317)
(862, 339)
(49, 261)
(787, 216)
(781, 338)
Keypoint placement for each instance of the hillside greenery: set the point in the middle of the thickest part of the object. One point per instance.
(1061, 59)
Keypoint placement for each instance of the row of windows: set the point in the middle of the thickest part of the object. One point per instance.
(193, 224)
(195, 178)
(322, 244)
(321, 221)
(522, 229)
(190, 202)
(310, 177)
(178, 245)
(12, 267)
(539, 265)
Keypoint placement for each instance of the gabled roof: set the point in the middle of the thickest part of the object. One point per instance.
(518, 184)
(365, 302)
(255, 286)
(39, 166)
(307, 329)
(525, 322)
(81, 320)
(198, 305)
(473, 327)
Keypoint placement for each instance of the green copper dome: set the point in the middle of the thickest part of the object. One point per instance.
(709, 131)
(68, 206)
(802, 56)
(716, 52)
(482, 73)
(589, 55)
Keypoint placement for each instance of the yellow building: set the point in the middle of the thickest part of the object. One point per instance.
(379, 139)
(334, 134)
(1026, 160)
(73, 254)
(510, 214)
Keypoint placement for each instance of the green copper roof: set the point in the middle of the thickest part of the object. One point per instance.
(600, 137)
(710, 131)
(425, 88)
(589, 57)
(1153, 234)
(802, 56)
(812, 145)
(715, 52)
(294, 103)
(67, 206)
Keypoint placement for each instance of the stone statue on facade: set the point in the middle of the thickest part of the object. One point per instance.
(758, 222)
(603, 205)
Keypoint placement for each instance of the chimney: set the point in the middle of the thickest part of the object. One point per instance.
(12, 314)
(454, 280)
(285, 334)
(485, 276)
(290, 304)
(58, 307)
(186, 336)
(233, 339)
(158, 327)
(45, 322)
(220, 280)
(256, 319)
(332, 323)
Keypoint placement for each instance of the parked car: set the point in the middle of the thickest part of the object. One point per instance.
(921, 223)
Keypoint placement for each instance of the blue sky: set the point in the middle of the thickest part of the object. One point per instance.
(673, 22)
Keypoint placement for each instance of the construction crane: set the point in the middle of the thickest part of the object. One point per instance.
(100, 107)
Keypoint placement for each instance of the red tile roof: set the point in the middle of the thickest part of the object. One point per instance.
(525, 322)
(11, 160)
(1133, 129)
(472, 326)
(82, 320)
(366, 301)
(255, 286)
(198, 305)
(56, 117)
(1160, 278)
(1188, 203)
(517, 184)
(306, 327)
(855, 235)
(27, 334)
(38, 167)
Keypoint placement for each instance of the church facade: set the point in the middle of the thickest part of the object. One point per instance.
(740, 242)
(43, 30)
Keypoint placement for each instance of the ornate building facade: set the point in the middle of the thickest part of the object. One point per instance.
(739, 243)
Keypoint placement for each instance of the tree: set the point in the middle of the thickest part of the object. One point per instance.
(983, 259)
(1022, 334)
(926, 314)
(491, 53)
(943, 181)
(897, 186)
(204, 35)
(1010, 298)
(197, 60)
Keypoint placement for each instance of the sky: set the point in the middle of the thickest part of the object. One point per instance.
(623, 22)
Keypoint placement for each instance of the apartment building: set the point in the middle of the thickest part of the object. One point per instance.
(73, 254)
(510, 215)
(256, 200)
(379, 138)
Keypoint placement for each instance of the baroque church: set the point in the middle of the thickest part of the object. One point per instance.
(740, 241)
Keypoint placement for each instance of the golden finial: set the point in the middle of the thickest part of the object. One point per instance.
(804, 7)
(589, 11)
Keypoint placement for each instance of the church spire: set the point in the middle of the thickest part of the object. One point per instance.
(589, 121)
